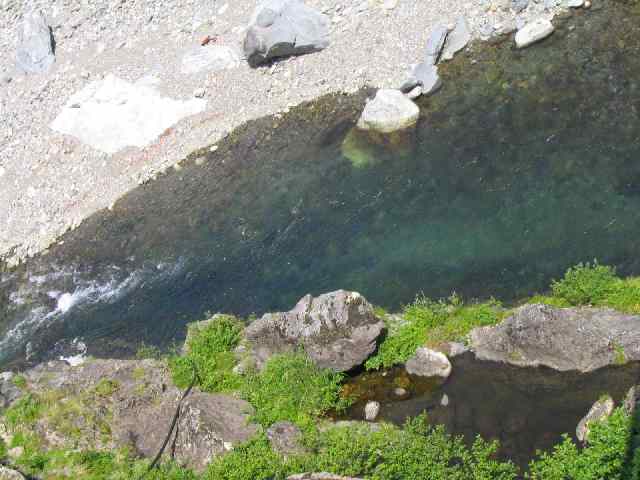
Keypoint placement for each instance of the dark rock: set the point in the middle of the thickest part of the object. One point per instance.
(428, 363)
(35, 53)
(285, 438)
(281, 28)
(601, 410)
(582, 339)
(338, 330)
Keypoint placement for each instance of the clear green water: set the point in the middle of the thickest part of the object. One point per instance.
(525, 163)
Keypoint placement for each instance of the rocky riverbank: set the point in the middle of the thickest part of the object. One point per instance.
(186, 58)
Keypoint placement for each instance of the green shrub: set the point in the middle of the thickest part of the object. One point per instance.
(20, 381)
(23, 412)
(291, 387)
(210, 355)
(604, 456)
(585, 284)
(433, 323)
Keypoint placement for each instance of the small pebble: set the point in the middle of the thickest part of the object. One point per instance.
(587, 4)
(400, 392)
(445, 400)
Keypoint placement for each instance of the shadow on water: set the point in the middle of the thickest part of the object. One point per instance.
(526, 409)
(524, 164)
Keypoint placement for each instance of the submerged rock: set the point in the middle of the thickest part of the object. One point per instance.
(280, 28)
(429, 363)
(35, 52)
(533, 32)
(338, 330)
(388, 112)
(601, 410)
(580, 338)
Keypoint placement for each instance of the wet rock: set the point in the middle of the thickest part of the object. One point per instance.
(601, 410)
(285, 438)
(211, 58)
(632, 400)
(388, 112)
(519, 6)
(564, 339)
(112, 114)
(338, 330)
(457, 39)
(371, 411)
(8, 474)
(319, 476)
(35, 52)
(533, 32)
(9, 392)
(428, 363)
(281, 28)
(435, 44)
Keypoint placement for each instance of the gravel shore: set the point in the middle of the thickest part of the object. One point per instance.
(50, 182)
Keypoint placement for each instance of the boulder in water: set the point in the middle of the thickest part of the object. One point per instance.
(428, 363)
(388, 112)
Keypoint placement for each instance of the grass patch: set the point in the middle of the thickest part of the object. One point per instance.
(291, 387)
(106, 387)
(428, 322)
(20, 381)
(24, 412)
(210, 353)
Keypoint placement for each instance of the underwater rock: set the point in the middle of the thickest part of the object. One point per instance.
(281, 28)
(338, 330)
(371, 411)
(564, 339)
(601, 410)
(428, 363)
(457, 39)
(533, 32)
(389, 112)
(35, 44)
(285, 438)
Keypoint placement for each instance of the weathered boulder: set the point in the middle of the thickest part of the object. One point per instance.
(280, 28)
(428, 363)
(319, 476)
(601, 410)
(35, 52)
(457, 39)
(131, 404)
(285, 438)
(371, 411)
(9, 391)
(338, 330)
(582, 339)
(533, 32)
(388, 112)
(8, 474)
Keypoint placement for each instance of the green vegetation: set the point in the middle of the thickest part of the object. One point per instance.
(20, 381)
(106, 387)
(210, 355)
(148, 352)
(428, 322)
(24, 412)
(291, 387)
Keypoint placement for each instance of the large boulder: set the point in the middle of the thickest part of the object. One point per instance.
(8, 474)
(428, 363)
(601, 410)
(338, 330)
(388, 112)
(35, 52)
(582, 338)
(280, 28)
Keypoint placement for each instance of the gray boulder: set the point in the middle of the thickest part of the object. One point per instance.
(281, 28)
(35, 53)
(8, 474)
(388, 112)
(582, 339)
(428, 363)
(435, 44)
(338, 330)
(285, 438)
(601, 410)
(457, 39)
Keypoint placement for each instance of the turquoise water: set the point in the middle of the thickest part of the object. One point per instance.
(525, 163)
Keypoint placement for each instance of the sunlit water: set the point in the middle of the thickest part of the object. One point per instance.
(525, 163)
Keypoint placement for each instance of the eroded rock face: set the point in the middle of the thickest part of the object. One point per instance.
(131, 404)
(582, 339)
(281, 28)
(338, 330)
(388, 112)
(429, 363)
(601, 410)
(35, 44)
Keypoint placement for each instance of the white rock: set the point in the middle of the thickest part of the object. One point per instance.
(428, 363)
(112, 114)
(445, 400)
(600, 410)
(457, 39)
(388, 112)
(211, 58)
(575, 3)
(533, 32)
(371, 411)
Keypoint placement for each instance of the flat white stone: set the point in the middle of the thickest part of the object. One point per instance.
(533, 32)
(113, 114)
(575, 3)
(388, 112)
(210, 58)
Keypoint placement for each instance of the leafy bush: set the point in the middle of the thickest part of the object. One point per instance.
(23, 412)
(586, 283)
(432, 323)
(210, 355)
(291, 387)
(604, 457)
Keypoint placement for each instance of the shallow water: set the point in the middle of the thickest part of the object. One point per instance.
(526, 409)
(525, 163)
